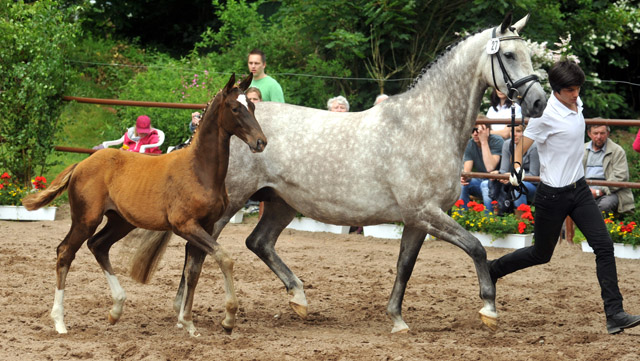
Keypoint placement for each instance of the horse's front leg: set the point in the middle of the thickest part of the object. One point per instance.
(412, 239)
(262, 242)
(445, 228)
(196, 254)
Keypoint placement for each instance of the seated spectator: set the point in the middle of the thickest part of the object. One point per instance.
(482, 154)
(253, 94)
(380, 98)
(338, 104)
(605, 160)
(530, 164)
(501, 109)
(142, 138)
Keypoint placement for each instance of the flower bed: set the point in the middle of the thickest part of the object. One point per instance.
(475, 219)
(11, 194)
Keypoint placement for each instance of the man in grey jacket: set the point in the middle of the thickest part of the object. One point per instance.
(605, 160)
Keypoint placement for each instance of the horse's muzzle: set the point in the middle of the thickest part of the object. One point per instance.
(260, 145)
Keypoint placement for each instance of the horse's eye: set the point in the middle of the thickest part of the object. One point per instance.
(509, 55)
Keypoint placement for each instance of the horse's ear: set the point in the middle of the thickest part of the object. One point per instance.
(506, 23)
(521, 23)
(244, 85)
(230, 83)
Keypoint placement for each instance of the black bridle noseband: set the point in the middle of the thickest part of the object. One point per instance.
(493, 48)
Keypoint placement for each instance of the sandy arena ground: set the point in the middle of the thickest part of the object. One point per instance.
(550, 312)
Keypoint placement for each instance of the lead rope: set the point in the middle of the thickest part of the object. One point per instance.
(510, 188)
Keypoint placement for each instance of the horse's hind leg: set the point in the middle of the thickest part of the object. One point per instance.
(276, 217)
(100, 244)
(66, 253)
(194, 258)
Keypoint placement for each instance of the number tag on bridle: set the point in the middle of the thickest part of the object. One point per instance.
(493, 46)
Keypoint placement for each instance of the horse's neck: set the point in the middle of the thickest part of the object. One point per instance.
(210, 153)
(451, 90)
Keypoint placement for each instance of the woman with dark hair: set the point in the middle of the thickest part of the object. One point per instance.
(501, 109)
(562, 192)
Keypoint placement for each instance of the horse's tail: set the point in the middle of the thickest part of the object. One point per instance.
(57, 187)
(148, 253)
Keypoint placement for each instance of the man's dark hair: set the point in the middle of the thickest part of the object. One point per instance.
(257, 51)
(565, 74)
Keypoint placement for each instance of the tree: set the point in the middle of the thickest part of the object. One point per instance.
(35, 39)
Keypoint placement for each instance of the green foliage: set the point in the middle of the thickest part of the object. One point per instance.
(36, 39)
(170, 81)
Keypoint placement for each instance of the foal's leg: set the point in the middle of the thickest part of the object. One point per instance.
(218, 227)
(66, 253)
(441, 226)
(262, 241)
(198, 237)
(100, 244)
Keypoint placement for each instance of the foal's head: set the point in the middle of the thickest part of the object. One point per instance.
(236, 114)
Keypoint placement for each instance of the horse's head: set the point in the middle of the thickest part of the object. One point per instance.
(509, 68)
(237, 115)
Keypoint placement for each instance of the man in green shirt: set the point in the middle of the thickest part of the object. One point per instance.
(269, 87)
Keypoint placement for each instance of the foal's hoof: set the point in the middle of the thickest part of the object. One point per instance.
(299, 309)
(489, 321)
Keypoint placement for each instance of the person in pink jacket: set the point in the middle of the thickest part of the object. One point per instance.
(142, 138)
(636, 143)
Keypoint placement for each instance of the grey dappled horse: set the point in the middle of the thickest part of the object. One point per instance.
(399, 161)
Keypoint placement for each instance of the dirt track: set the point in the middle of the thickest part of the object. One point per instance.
(550, 312)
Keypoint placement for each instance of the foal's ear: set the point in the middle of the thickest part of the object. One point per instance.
(506, 23)
(230, 83)
(246, 83)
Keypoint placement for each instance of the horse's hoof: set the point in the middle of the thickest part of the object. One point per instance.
(299, 309)
(112, 320)
(489, 321)
(400, 327)
(227, 329)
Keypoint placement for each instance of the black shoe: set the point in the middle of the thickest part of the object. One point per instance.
(620, 321)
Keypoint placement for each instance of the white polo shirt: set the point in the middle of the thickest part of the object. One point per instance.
(559, 134)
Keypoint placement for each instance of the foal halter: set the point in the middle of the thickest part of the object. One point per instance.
(493, 48)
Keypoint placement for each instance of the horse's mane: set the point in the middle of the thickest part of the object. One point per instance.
(441, 55)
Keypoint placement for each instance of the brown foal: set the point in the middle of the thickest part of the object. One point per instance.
(183, 191)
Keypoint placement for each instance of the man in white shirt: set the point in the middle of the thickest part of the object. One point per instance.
(563, 192)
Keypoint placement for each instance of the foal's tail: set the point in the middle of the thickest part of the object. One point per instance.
(57, 187)
(149, 251)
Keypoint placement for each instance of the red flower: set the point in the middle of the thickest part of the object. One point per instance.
(527, 215)
(494, 202)
(40, 182)
(472, 204)
(5, 175)
(524, 207)
(459, 203)
(521, 227)
(1, 186)
(478, 207)
(607, 220)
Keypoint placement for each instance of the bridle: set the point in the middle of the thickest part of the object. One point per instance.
(493, 48)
